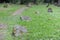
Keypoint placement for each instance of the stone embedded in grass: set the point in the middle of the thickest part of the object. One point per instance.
(55, 4)
(58, 5)
(18, 30)
(25, 18)
(5, 5)
(50, 10)
(29, 4)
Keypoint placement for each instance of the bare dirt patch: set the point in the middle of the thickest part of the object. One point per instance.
(3, 31)
(3, 26)
(19, 11)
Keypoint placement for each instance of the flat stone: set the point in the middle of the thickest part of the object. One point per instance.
(50, 10)
(29, 4)
(25, 18)
(6, 5)
(55, 4)
(22, 28)
(19, 30)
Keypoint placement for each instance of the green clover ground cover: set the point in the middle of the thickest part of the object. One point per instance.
(43, 26)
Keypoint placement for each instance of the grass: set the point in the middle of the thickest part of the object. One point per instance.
(5, 16)
(43, 26)
(6, 12)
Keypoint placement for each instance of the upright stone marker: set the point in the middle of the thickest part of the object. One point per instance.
(50, 10)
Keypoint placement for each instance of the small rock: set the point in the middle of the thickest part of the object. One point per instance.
(29, 4)
(6, 5)
(50, 10)
(55, 4)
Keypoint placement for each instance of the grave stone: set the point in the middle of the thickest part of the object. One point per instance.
(50, 10)
(18, 30)
(25, 18)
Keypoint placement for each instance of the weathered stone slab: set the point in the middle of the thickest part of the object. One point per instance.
(19, 30)
(25, 18)
(50, 10)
